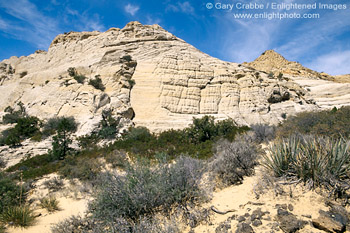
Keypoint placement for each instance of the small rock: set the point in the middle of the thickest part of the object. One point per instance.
(241, 219)
(288, 222)
(290, 207)
(244, 228)
(257, 214)
(330, 221)
(257, 222)
(223, 227)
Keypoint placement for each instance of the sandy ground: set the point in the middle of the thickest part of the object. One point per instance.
(247, 197)
(254, 193)
(71, 202)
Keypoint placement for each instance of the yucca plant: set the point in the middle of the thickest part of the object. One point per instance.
(49, 203)
(282, 155)
(315, 160)
(22, 216)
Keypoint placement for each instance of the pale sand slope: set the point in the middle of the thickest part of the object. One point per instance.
(243, 199)
(72, 202)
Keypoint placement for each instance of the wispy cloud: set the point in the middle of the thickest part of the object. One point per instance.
(84, 21)
(3, 24)
(131, 9)
(184, 7)
(30, 24)
(333, 63)
(150, 20)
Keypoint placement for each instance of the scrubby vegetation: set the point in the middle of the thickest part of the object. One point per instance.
(234, 160)
(97, 83)
(22, 216)
(78, 77)
(49, 203)
(144, 190)
(333, 123)
(170, 173)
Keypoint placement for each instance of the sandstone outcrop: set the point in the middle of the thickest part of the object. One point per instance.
(151, 78)
(271, 61)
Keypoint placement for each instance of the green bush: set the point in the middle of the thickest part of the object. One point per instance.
(9, 192)
(72, 71)
(145, 190)
(36, 166)
(12, 116)
(315, 160)
(332, 123)
(21, 216)
(61, 141)
(97, 83)
(80, 78)
(81, 168)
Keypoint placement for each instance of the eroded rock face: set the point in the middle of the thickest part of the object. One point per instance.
(151, 78)
(270, 61)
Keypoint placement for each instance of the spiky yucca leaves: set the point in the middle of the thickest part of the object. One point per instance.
(22, 216)
(281, 156)
(316, 160)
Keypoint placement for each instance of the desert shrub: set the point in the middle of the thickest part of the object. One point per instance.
(332, 123)
(62, 140)
(234, 160)
(2, 163)
(205, 129)
(50, 204)
(139, 133)
(97, 83)
(315, 160)
(54, 184)
(143, 190)
(117, 158)
(9, 192)
(80, 167)
(26, 127)
(87, 142)
(79, 224)
(36, 166)
(80, 78)
(12, 116)
(22, 216)
(263, 132)
(72, 71)
(109, 125)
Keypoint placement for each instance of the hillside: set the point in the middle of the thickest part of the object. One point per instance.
(150, 78)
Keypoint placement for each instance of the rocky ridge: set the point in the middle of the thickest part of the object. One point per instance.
(271, 61)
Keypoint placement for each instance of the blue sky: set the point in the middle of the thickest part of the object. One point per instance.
(322, 44)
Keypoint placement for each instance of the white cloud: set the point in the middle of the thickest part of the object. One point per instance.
(84, 21)
(31, 25)
(131, 9)
(151, 20)
(34, 27)
(333, 63)
(3, 25)
(184, 7)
